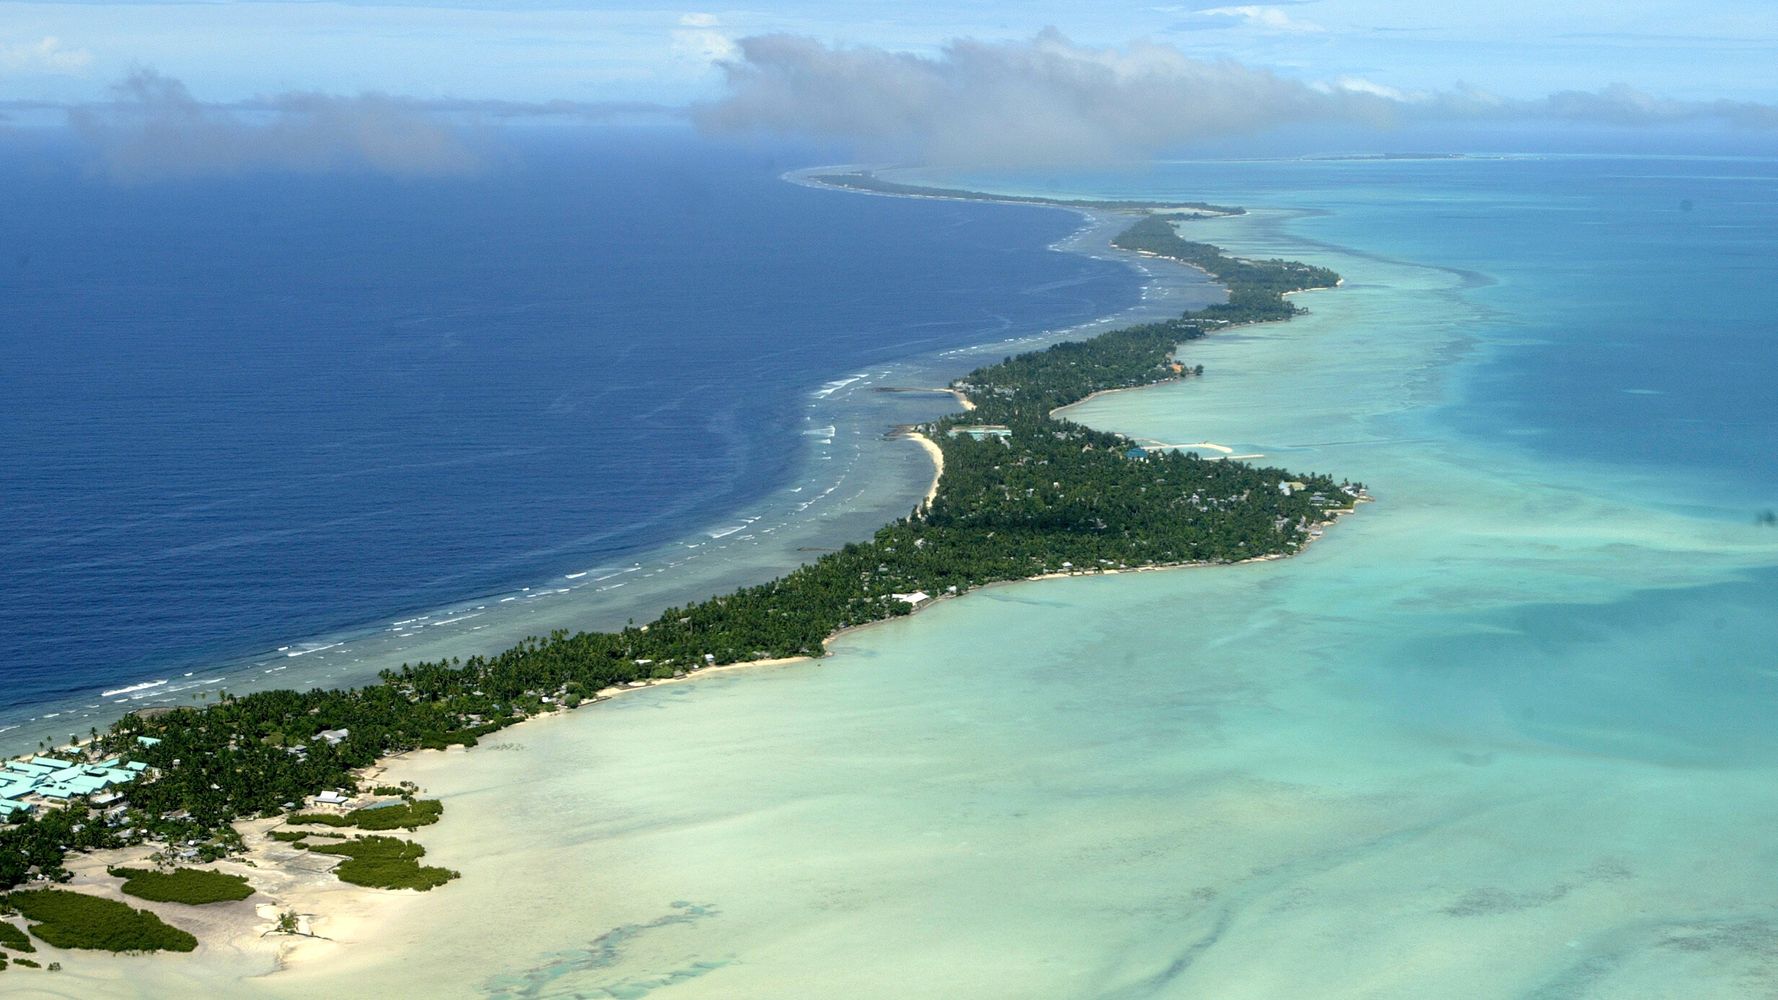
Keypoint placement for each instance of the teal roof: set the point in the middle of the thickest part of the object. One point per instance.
(85, 784)
(59, 779)
(8, 807)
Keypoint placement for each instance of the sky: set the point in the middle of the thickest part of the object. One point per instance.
(601, 50)
(830, 68)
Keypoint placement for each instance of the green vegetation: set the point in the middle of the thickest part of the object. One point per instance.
(1256, 287)
(75, 920)
(318, 819)
(384, 863)
(407, 815)
(193, 886)
(39, 843)
(14, 938)
(866, 181)
(1042, 495)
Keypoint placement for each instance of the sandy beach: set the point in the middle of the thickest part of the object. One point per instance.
(344, 926)
(937, 454)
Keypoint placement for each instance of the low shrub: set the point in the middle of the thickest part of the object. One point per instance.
(12, 937)
(384, 863)
(318, 819)
(192, 886)
(76, 920)
(407, 815)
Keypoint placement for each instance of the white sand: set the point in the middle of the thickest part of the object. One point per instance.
(937, 455)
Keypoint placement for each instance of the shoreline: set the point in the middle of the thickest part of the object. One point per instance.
(247, 673)
(937, 455)
(866, 182)
(315, 660)
(298, 892)
(1266, 801)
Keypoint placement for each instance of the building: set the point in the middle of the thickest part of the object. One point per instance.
(916, 598)
(54, 780)
(983, 431)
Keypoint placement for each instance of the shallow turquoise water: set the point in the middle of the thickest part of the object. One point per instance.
(1505, 733)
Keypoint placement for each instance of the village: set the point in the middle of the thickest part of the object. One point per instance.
(46, 780)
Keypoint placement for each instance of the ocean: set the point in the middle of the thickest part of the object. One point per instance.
(249, 419)
(1625, 303)
(1507, 732)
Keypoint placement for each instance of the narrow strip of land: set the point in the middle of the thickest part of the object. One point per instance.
(1019, 493)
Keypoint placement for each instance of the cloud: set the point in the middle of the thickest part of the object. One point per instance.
(698, 40)
(1050, 101)
(1043, 101)
(1359, 85)
(1620, 104)
(155, 129)
(45, 55)
(1268, 18)
(1199, 6)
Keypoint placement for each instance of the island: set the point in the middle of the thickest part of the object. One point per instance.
(1022, 494)
(868, 181)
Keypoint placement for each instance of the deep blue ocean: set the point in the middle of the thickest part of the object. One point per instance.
(244, 411)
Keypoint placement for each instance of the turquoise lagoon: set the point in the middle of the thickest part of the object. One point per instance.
(1508, 732)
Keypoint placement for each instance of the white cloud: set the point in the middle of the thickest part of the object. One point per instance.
(46, 55)
(699, 40)
(1254, 16)
(1048, 100)
(1359, 85)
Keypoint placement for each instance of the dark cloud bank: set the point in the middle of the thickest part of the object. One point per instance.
(1049, 101)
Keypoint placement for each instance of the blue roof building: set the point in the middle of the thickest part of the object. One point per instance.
(61, 780)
